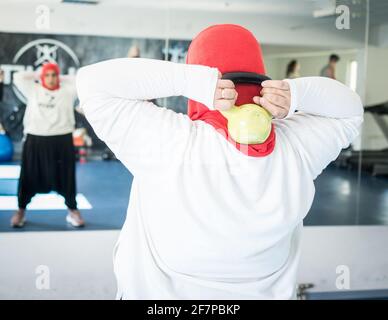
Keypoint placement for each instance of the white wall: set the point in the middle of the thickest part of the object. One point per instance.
(379, 35)
(377, 75)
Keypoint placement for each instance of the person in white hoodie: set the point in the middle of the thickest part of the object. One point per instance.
(48, 157)
(212, 215)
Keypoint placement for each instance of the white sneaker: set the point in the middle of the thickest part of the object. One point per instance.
(75, 221)
(18, 220)
(18, 224)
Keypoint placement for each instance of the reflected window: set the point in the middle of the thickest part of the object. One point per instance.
(352, 75)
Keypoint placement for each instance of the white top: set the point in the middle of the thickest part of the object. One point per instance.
(48, 112)
(204, 220)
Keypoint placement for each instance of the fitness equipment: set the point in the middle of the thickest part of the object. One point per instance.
(248, 123)
(245, 77)
(6, 147)
(375, 161)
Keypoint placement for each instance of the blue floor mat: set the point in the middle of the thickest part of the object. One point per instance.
(8, 187)
(106, 185)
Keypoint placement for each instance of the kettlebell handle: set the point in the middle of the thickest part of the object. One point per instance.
(245, 77)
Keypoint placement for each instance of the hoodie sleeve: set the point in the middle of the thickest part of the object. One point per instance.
(113, 95)
(329, 118)
(68, 81)
(25, 82)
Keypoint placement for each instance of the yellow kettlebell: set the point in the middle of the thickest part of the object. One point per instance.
(248, 123)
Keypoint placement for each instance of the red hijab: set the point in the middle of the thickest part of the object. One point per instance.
(47, 67)
(230, 48)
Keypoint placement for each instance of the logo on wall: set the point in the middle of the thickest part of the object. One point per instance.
(35, 53)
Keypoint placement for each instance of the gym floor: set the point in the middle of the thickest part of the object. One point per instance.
(104, 189)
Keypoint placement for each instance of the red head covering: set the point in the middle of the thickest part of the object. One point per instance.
(230, 48)
(46, 67)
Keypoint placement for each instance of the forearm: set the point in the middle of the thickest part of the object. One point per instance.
(25, 81)
(69, 82)
(25, 76)
(324, 97)
(146, 79)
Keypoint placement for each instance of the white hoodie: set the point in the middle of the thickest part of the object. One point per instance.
(48, 112)
(204, 220)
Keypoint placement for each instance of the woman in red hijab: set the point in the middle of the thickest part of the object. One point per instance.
(48, 160)
(219, 195)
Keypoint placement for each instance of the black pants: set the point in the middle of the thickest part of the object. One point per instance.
(48, 164)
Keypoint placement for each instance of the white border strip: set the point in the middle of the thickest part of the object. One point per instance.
(9, 171)
(50, 201)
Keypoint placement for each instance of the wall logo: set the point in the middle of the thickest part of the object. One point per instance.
(35, 53)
